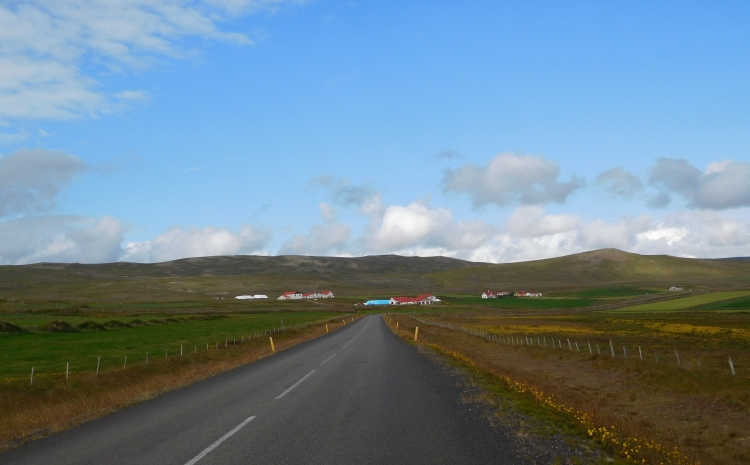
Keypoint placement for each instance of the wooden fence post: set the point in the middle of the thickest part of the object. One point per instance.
(612, 348)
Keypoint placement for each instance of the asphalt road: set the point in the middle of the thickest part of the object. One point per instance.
(359, 395)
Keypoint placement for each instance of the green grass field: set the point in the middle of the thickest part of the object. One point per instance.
(742, 303)
(616, 292)
(686, 302)
(522, 303)
(48, 352)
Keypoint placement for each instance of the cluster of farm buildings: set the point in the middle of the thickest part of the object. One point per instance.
(495, 295)
(296, 295)
(291, 295)
(424, 299)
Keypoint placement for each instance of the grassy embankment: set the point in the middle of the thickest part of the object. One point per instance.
(53, 403)
(694, 411)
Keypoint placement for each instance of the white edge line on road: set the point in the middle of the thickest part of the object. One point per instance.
(324, 361)
(218, 442)
(294, 385)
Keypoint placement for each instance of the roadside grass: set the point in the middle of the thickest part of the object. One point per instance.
(53, 404)
(684, 303)
(697, 406)
(159, 335)
(508, 398)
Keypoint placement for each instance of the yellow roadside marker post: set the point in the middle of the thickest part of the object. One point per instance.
(416, 333)
(273, 349)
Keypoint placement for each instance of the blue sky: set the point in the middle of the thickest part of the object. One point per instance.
(492, 131)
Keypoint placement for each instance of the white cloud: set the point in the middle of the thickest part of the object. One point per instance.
(509, 179)
(133, 95)
(531, 221)
(50, 50)
(327, 212)
(196, 242)
(686, 234)
(663, 233)
(60, 239)
(723, 185)
(323, 239)
(366, 199)
(10, 138)
(620, 183)
(31, 179)
(417, 229)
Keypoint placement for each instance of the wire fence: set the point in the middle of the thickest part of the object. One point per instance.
(179, 350)
(601, 348)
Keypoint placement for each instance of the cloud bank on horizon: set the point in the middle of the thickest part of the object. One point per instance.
(85, 82)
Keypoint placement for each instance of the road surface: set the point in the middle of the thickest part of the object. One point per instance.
(359, 395)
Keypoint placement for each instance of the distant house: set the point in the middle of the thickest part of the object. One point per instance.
(488, 295)
(245, 297)
(502, 294)
(427, 299)
(424, 299)
(528, 294)
(676, 289)
(310, 295)
(260, 296)
(326, 295)
(291, 295)
(378, 302)
(403, 300)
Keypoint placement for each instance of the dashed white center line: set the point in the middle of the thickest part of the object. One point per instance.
(219, 441)
(294, 385)
(355, 337)
(324, 361)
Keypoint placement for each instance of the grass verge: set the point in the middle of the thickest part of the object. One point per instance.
(574, 419)
(53, 404)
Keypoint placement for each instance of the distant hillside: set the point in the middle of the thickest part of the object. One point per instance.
(202, 278)
(602, 267)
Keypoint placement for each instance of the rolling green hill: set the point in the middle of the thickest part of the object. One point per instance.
(197, 279)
